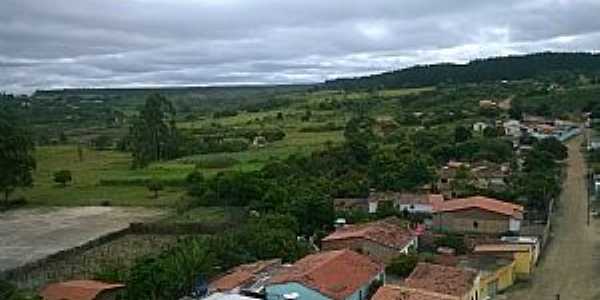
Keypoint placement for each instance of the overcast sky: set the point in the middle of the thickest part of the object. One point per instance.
(123, 43)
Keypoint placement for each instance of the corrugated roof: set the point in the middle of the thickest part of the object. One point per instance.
(335, 274)
(502, 248)
(242, 275)
(390, 232)
(77, 290)
(484, 203)
(441, 279)
(393, 292)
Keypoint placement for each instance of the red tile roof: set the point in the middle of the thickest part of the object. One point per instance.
(77, 290)
(390, 232)
(484, 203)
(335, 274)
(441, 279)
(242, 274)
(393, 292)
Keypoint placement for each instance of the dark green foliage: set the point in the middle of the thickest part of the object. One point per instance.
(173, 273)
(494, 150)
(16, 156)
(491, 69)
(402, 265)
(154, 136)
(456, 242)
(196, 184)
(462, 134)
(63, 177)
(102, 142)
(553, 146)
(10, 292)
(155, 186)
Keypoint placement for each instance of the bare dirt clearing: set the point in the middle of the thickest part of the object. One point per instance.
(571, 265)
(28, 235)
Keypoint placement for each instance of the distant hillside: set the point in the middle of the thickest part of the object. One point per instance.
(490, 69)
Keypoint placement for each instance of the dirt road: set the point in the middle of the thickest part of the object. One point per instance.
(571, 265)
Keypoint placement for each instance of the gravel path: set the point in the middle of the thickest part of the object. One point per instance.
(28, 235)
(571, 264)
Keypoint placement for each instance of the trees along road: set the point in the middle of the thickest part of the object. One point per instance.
(570, 265)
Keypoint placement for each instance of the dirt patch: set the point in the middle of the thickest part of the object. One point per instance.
(28, 235)
(571, 264)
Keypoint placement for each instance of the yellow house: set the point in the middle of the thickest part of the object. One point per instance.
(496, 273)
(522, 254)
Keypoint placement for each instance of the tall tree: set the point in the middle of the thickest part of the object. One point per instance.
(16, 156)
(154, 136)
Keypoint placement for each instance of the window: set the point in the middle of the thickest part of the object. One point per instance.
(475, 224)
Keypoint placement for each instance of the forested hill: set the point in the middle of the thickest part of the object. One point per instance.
(490, 69)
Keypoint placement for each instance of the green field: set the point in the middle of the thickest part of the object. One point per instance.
(107, 176)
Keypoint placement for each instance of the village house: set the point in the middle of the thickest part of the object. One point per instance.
(247, 279)
(512, 128)
(521, 253)
(337, 275)
(496, 273)
(446, 280)
(382, 240)
(477, 215)
(534, 242)
(409, 202)
(396, 292)
(487, 104)
(81, 290)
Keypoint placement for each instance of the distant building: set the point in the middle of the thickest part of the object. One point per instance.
(337, 275)
(446, 280)
(410, 202)
(382, 240)
(512, 128)
(81, 290)
(477, 215)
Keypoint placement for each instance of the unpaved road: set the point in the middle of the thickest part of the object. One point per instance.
(28, 235)
(571, 265)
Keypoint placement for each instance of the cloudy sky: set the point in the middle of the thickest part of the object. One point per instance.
(123, 43)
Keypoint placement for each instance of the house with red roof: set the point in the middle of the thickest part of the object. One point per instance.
(445, 280)
(247, 278)
(477, 215)
(81, 290)
(396, 292)
(382, 240)
(338, 275)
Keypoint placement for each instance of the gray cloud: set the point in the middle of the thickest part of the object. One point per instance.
(102, 43)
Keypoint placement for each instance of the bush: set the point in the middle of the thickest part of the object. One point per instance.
(217, 162)
(455, 242)
(155, 186)
(402, 265)
(63, 177)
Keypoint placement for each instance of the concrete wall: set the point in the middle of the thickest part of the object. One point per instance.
(471, 220)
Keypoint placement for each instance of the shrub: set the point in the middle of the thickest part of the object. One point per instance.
(455, 242)
(217, 162)
(63, 177)
(155, 186)
(402, 265)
